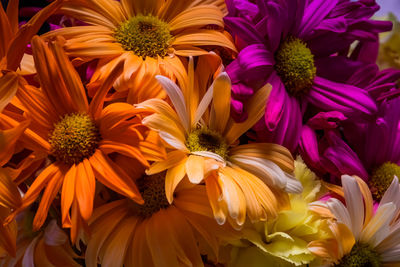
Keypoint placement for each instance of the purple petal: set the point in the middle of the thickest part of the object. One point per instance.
(308, 148)
(331, 96)
(276, 19)
(276, 102)
(288, 130)
(244, 30)
(314, 13)
(337, 68)
(343, 158)
(255, 61)
(326, 120)
(338, 25)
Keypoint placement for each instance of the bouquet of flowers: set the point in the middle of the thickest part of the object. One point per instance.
(234, 133)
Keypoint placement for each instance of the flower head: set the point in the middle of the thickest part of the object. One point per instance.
(294, 45)
(362, 236)
(77, 136)
(156, 232)
(240, 179)
(149, 36)
(283, 241)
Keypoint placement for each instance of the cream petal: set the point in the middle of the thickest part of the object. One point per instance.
(177, 98)
(354, 203)
(204, 103)
(339, 211)
(266, 170)
(392, 194)
(378, 227)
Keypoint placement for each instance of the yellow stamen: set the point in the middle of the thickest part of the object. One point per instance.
(382, 177)
(146, 36)
(74, 138)
(295, 66)
(205, 139)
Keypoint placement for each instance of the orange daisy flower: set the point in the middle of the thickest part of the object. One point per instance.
(147, 34)
(77, 137)
(157, 233)
(240, 179)
(13, 42)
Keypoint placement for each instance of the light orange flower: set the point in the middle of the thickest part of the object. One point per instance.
(148, 35)
(361, 236)
(157, 233)
(240, 179)
(78, 136)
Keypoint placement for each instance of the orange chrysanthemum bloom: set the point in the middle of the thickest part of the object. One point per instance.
(157, 233)
(147, 34)
(240, 179)
(77, 137)
(9, 199)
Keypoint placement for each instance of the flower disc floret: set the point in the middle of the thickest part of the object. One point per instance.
(205, 139)
(152, 189)
(361, 255)
(146, 36)
(295, 66)
(74, 138)
(382, 177)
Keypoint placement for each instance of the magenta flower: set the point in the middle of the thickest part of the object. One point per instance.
(372, 150)
(295, 45)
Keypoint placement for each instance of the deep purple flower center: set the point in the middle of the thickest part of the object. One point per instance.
(382, 177)
(295, 66)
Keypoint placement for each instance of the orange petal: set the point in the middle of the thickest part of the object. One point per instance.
(172, 179)
(51, 80)
(255, 110)
(85, 186)
(197, 17)
(53, 171)
(5, 32)
(8, 88)
(114, 178)
(111, 146)
(195, 168)
(96, 104)
(70, 76)
(9, 194)
(221, 107)
(26, 32)
(204, 38)
(51, 191)
(68, 194)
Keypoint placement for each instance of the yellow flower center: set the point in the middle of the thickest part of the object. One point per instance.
(361, 255)
(205, 139)
(152, 189)
(382, 177)
(74, 138)
(146, 36)
(295, 66)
